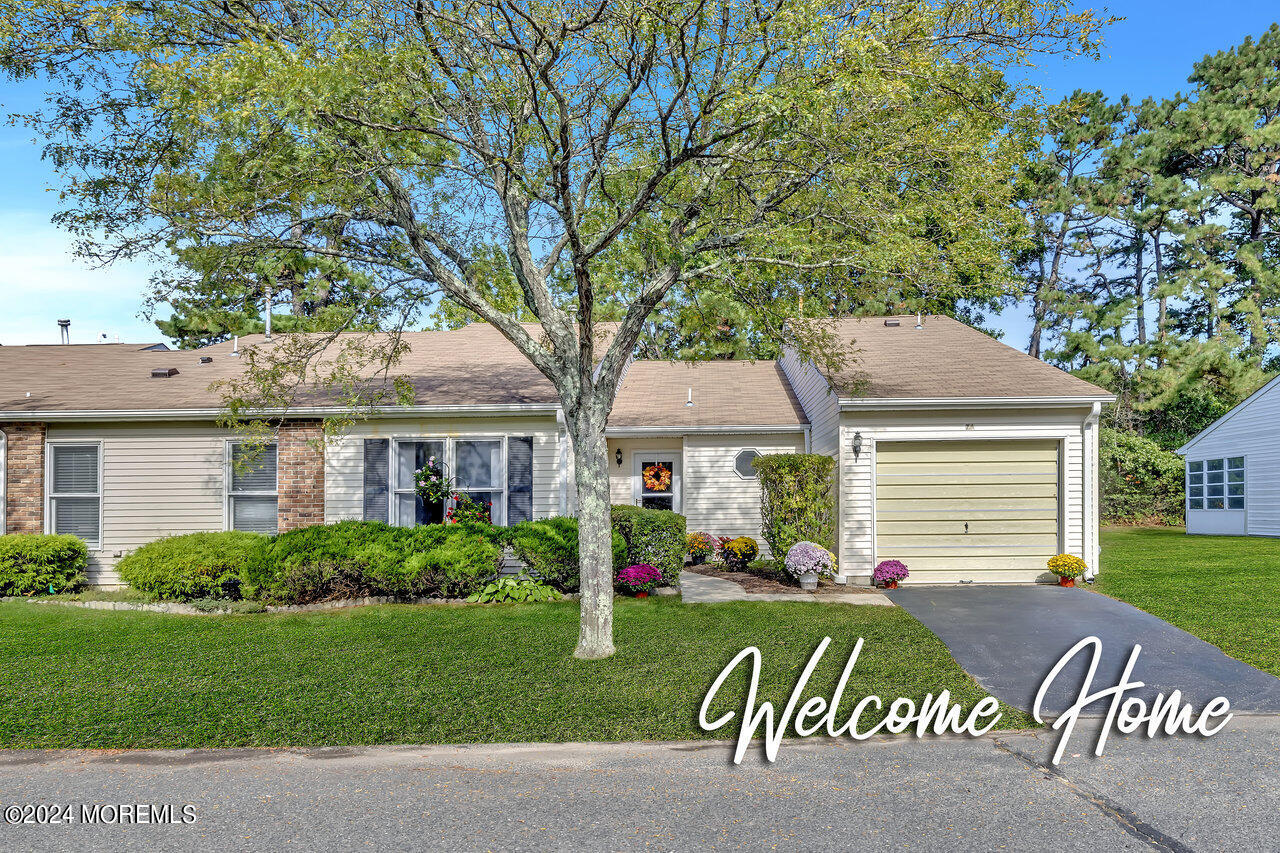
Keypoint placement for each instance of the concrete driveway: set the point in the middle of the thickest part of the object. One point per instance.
(1009, 637)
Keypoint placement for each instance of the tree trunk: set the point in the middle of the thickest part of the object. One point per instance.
(1139, 287)
(595, 534)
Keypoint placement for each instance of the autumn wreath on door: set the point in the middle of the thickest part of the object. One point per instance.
(657, 477)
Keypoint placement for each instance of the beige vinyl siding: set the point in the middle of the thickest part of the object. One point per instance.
(158, 479)
(820, 403)
(622, 478)
(968, 510)
(857, 477)
(716, 499)
(344, 456)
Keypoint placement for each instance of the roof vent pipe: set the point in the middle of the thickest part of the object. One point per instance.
(919, 321)
(235, 344)
(64, 331)
(269, 300)
(689, 402)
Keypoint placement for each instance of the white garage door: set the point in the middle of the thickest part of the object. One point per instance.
(985, 511)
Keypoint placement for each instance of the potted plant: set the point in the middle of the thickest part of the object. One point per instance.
(639, 579)
(737, 553)
(807, 561)
(889, 572)
(700, 546)
(1067, 567)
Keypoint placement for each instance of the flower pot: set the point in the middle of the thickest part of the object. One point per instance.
(809, 581)
(642, 595)
(1066, 581)
(890, 584)
(699, 559)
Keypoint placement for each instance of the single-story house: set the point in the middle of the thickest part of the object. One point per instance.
(965, 458)
(1233, 469)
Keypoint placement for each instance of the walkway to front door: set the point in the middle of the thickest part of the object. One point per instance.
(1009, 637)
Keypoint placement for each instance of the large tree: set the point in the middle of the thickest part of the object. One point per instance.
(668, 143)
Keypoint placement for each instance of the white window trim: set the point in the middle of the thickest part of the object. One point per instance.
(740, 451)
(1204, 484)
(228, 516)
(677, 475)
(50, 496)
(394, 487)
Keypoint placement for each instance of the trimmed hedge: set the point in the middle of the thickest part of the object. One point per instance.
(550, 549)
(358, 558)
(38, 564)
(196, 565)
(653, 536)
(797, 500)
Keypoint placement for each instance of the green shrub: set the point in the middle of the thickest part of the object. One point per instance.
(797, 500)
(512, 591)
(1140, 482)
(549, 548)
(36, 564)
(352, 559)
(196, 565)
(653, 536)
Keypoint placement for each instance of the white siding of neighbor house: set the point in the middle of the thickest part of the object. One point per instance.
(857, 547)
(716, 499)
(158, 479)
(1250, 430)
(820, 403)
(344, 456)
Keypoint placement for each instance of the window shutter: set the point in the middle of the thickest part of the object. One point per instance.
(376, 453)
(519, 479)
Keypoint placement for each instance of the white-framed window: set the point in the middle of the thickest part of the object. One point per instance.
(744, 464)
(74, 477)
(253, 496)
(496, 470)
(1216, 483)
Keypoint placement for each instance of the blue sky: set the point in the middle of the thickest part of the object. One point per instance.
(1149, 53)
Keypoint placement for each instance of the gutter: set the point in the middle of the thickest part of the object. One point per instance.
(890, 404)
(204, 414)
(640, 432)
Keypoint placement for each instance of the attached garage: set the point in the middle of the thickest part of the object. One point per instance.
(969, 510)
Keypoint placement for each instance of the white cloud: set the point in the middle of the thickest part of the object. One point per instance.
(40, 283)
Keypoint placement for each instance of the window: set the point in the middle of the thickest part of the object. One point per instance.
(1216, 483)
(412, 456)
(744, 464)
(252, 497)
(75, 491)
(496, 471)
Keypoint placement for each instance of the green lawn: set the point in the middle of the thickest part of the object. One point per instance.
(1223, 589)
(71, 677)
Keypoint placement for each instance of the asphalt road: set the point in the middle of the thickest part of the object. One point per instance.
(1221, 793)
(1009, 638)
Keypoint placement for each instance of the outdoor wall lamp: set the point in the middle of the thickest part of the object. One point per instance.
(617, 456)
(857, 445)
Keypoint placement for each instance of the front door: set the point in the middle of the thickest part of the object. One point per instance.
(657, 481)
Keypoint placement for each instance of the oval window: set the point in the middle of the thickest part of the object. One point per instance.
(745, 464)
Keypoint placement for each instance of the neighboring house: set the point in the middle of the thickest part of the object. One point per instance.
(965, 458)
(1233, 469)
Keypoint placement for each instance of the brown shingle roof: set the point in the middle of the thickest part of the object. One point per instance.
(725, 393)
(945, 359)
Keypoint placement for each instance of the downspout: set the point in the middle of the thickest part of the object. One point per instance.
(1091, 495)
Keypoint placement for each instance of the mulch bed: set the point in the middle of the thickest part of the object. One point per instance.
(756, 584)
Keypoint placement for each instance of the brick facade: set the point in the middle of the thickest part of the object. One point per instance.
(300, 466)
(24, 477)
